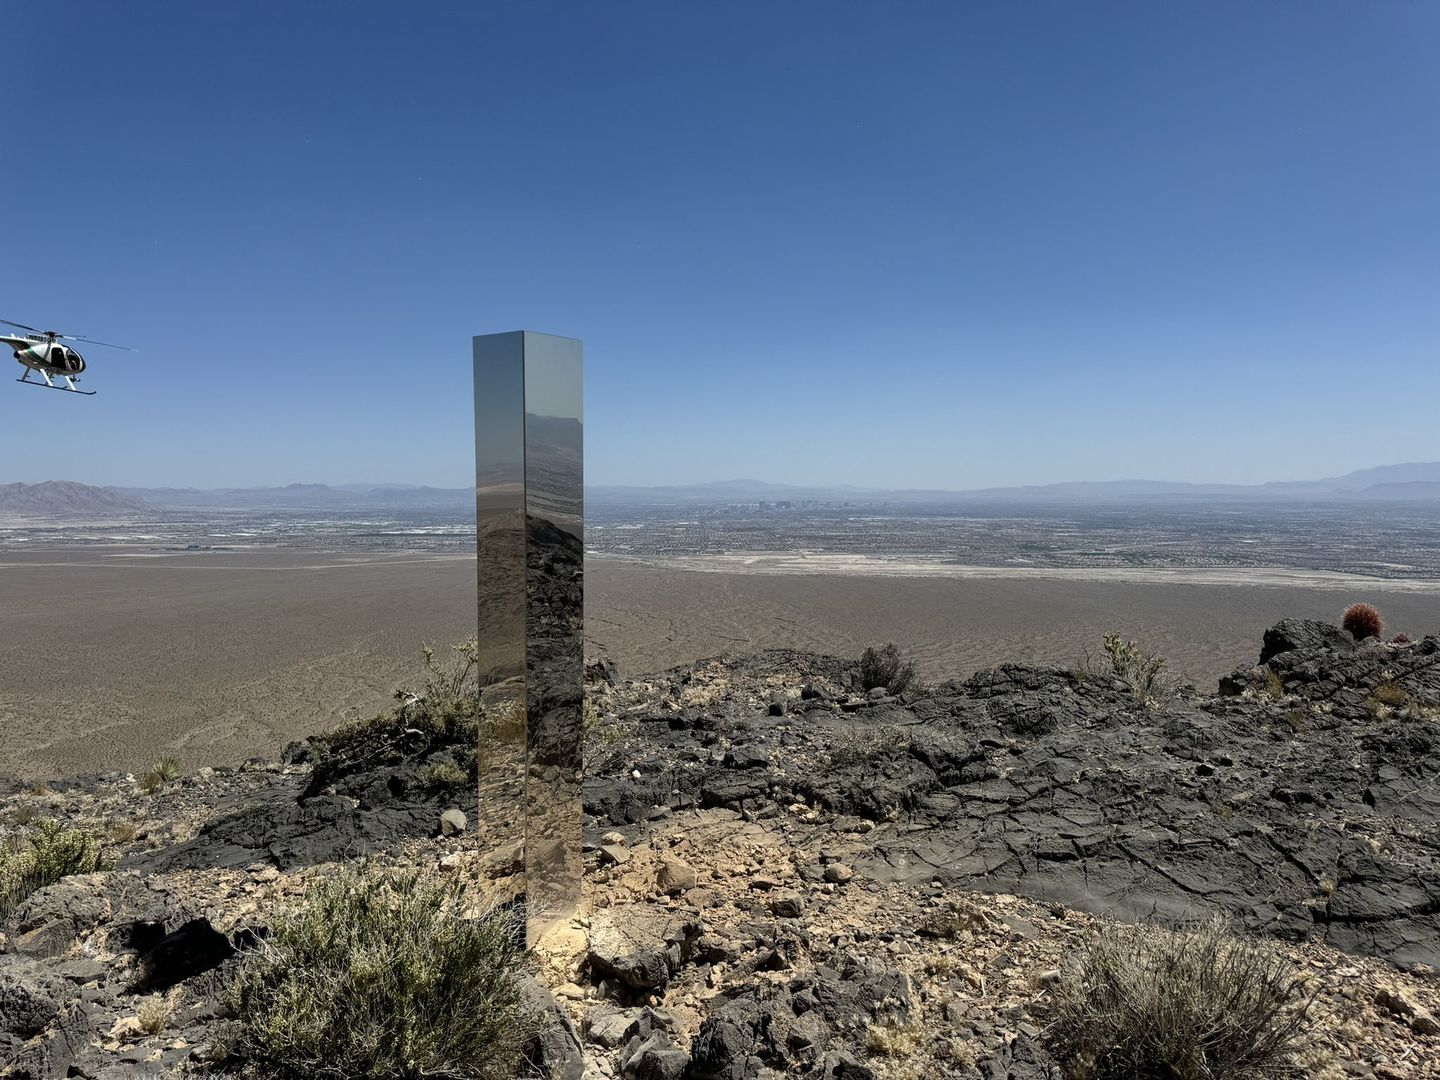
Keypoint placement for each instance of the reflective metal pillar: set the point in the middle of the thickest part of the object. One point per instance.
(529, 502)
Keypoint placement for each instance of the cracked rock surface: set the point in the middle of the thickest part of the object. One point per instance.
(1303, 802)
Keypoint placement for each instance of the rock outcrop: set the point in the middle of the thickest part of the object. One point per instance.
(788, 875)
(1309, 810)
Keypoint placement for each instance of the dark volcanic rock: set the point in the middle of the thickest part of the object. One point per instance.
(1308, 635)
(553, 1048)
(816, 1026)
(1311, 813)
(192, 948)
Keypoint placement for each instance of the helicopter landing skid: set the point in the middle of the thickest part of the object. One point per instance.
(63, 389)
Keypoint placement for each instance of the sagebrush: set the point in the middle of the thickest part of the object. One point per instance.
(1142, 671)
(382, 976)
(1197, 1004)
(886, 668)
(35, 858)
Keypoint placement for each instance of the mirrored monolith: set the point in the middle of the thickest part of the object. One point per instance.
(529, 500)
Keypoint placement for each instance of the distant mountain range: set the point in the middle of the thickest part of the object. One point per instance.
(1408, 482)
(307, 497)
(1411, 482)
(64, 498)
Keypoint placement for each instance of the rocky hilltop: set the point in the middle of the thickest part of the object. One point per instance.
(790, 875)
(65, 498)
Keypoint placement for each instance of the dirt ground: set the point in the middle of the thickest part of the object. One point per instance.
(110, 658)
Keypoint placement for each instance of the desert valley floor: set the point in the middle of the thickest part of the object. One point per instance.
(113, 656)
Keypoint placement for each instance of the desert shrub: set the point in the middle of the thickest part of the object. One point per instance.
(155, 1013)
(1363, 621)
(863, 746)
(1143, 672)
(885, 667)
(442, 774)
(1386, 698)
(34, 859)
(1197, 1004)
(165, 771)
(448, 681)
(381, 976)
(505, 722)
(1274, 685)
(445, 711)
(1393, 695)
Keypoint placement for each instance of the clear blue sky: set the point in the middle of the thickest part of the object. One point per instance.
(891, 244)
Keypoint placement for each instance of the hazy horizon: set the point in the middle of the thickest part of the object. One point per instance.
(750, 480)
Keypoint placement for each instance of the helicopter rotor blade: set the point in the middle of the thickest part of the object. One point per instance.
(92, 341)
(22, 326)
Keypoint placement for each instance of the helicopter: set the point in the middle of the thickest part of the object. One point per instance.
(41, 351)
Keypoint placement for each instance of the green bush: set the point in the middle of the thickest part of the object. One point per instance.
(165, 771)
(1143, 672)
(31, 860)
(1190, 1005)
(443, 774)
(380, 976)
(885, 667)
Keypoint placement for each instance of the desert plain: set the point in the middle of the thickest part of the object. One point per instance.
(113, 656)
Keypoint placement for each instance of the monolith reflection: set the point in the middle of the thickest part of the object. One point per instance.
(529, 500)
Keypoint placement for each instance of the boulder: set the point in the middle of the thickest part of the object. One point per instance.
(1290, 635)
(52, 919)
(675, 876)
(453, 822)
(553, 1047)
(747, 757)
(654, 1058)
(609, 1026)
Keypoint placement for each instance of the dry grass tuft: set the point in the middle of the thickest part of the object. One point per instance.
(1274, 685)
(154, 1013)
(122, 832)
(1189, 1005)
(894, 1040)
(505, 722)
(443, 774)
(861, 747)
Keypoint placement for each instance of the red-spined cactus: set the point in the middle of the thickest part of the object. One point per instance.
(1402, 639)
(1363, 621)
